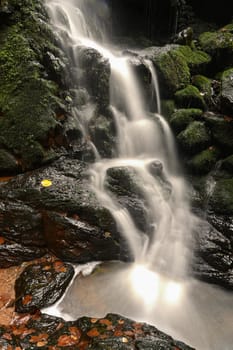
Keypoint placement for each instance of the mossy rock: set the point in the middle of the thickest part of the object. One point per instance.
(226, 94)
(204, 85)
(219, 45)
(181, 118)
(213, 42)
(194, 138)
(168, 107)
(197, 60)
(222, 132)
(221, 200)
(190, 97)
(204, 161)
(28, 99)
(172, 68)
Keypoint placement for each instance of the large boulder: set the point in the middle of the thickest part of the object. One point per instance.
(194, 138)
(29, 97)
(65, 216)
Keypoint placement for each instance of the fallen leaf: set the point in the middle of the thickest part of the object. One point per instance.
(46, 183)
(2, 240)
(41, 343)
(59, 266)
(66, 340)
(106, 322)
(93, 333)
(47, 267)
(7, 336)
(75, 332)
(39, 338)
(27, 299)
(118, 333)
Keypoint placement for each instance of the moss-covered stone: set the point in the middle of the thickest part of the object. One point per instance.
(171, 66)
(222, 198)
(28, 99)
(168, 107)
(213, 42)
(204, 161)
(226, 94)
(222, 132)
(204, 86)
(197, 60)
(190, 97)
(194, 138)
(181, 118)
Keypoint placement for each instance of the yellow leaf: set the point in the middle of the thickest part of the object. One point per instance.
(46, 183)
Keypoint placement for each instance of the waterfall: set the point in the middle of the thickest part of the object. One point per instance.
(156, 287)
(143, 138)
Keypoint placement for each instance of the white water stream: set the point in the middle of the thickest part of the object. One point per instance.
(159, 275)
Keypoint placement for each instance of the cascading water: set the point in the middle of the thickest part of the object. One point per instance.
(144, 142)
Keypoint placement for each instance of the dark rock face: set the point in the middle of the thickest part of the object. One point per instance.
(112, 332)
(41, 285)
(213, 260)
(65, 217)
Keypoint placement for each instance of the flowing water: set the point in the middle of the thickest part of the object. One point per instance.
(157, 282)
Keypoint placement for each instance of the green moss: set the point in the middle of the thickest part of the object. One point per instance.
(222, 197)
(174, 69)
(212, 42)
(194, 58)
(181, 118)
(190, 97)
(27, 100)
(168, 107)
(204, 161)
(194, 138)
(204, 85)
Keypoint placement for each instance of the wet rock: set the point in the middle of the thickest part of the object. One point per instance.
(75, 240)
(8, 163)
(41, 285)
(112, 332)
(103, 133)
(21, 224)
(97, 74)
(12, 253)
(213, 256)
(123, 181)
(75, 226)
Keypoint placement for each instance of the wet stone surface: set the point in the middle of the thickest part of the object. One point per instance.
(40, 331)
(40, 285)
